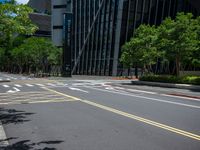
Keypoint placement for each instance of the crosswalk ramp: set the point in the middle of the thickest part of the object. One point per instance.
(32, 98)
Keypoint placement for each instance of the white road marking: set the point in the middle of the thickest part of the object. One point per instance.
(76, 89)
(133, 90)
(17, 85)
(13, 91)
(120, 88)
(40, 84)
(143, 98)
(3, 136)
(77, 84)
(30, 85)
(109, 88)
(6, 86)
(50, 84)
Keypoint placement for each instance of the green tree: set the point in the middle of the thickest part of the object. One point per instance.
(178, 38)
(141, 49)
(196, 55)
(14, 21)
(36, 53)
(175, 40)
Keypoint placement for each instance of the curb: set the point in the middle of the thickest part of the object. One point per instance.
(168, 85)
(2, 81)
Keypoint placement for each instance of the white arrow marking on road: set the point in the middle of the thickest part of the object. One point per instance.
(76, 89)
(12, 91)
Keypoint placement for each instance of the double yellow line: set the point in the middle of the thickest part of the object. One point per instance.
(140, 119)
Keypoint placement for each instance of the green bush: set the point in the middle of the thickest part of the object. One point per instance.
(172, 79)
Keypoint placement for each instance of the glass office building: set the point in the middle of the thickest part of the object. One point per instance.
(101, 27)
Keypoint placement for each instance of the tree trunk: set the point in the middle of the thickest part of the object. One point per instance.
(177, 65)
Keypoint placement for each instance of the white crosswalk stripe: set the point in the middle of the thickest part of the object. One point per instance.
(30, 85)
(17, 85)
(6, 86)
(39, 84)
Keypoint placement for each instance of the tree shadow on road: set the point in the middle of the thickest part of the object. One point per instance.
(8, 116)
(28, 145)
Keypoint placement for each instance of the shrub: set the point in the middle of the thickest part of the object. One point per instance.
(172, 79)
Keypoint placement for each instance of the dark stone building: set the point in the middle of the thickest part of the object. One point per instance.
(101, 27)
(41, 16)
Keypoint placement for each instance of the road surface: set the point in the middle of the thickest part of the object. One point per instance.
(75, 114)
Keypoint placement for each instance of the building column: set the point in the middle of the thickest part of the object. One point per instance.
(117, 38)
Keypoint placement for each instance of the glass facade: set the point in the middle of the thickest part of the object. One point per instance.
(101, 27)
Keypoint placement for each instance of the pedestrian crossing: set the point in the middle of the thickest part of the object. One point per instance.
(15, 78)
(58, 84)
(33, 85)
(32, 98)
(11, 87)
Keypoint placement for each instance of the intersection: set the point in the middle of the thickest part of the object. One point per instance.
(95, 114)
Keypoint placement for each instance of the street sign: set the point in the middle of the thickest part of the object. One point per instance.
(67, 49)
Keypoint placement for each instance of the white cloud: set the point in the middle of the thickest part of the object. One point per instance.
(22, 1)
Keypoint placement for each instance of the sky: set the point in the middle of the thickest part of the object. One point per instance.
(19, 1)
(22, 1)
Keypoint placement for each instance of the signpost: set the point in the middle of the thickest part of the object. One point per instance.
(67, 49)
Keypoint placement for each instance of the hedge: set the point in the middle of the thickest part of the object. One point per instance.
(172, 79)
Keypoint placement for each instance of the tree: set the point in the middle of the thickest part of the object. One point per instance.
(196, 55)
(173, 41)
(14, 21)
(141, 49)
(36, 53)
(178, 38)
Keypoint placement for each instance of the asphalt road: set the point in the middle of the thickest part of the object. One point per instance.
(75, 114)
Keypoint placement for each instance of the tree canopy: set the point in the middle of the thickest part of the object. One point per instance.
(36, 53)
(19, 52)
(175, 41)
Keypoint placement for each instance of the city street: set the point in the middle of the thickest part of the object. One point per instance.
(95, 114)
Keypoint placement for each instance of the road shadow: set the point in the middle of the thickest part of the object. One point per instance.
(13, 116)
(28, 145)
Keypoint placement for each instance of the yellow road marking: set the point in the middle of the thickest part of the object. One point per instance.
(140, 119)
(75, 98)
